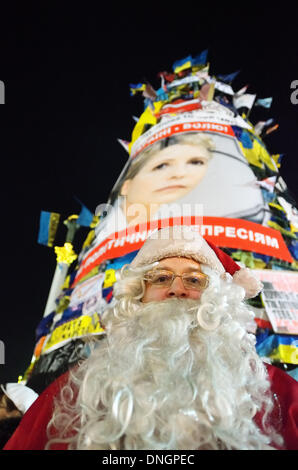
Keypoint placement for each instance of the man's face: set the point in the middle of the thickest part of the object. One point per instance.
(177, 288)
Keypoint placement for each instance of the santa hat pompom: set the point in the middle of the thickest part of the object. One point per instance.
(242, 276)
(245, 278)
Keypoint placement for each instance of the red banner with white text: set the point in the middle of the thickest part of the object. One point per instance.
(230, 233)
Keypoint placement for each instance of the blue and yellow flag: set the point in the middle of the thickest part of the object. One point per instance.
(48, 225)
(182, 64)
(280, 348)
(134, 88)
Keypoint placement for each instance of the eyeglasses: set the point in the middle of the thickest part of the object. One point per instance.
(164, 278)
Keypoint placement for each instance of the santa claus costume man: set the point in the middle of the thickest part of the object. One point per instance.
(177, 369)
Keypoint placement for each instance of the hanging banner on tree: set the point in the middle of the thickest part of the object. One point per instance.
(234, 233)
(85, 325)
(280, 298)
(87, 291)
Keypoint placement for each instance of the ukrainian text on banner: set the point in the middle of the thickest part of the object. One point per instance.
(223, 232)
(85, 325)
(177, 127)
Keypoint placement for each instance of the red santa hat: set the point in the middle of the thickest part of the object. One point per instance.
(186, 242)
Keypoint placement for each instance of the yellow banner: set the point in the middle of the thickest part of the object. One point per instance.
(82, 326)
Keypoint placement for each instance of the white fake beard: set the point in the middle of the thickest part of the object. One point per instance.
(170, 378)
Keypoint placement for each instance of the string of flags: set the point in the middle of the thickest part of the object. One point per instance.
(190, 80)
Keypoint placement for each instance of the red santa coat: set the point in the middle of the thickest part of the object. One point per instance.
(31, 434)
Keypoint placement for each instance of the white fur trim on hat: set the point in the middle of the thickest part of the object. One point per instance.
(175, 241)
(186, 242)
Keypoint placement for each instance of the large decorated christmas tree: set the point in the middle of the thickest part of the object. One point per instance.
(194, 158)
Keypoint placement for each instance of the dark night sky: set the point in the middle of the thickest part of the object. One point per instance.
(67, 72)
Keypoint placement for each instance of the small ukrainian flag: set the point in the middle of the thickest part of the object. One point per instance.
(48, 225)
(137, 87)
(182, 64)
